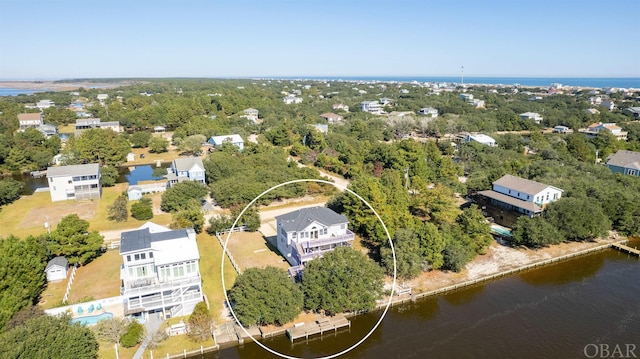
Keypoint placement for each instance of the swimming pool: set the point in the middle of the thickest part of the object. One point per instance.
(93, 319)
(503, 231)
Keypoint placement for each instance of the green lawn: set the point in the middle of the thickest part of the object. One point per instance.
(210, 257)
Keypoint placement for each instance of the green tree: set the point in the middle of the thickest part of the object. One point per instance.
(250, 218)
(408, 260)
(535, 232)
(200, 323)
(342, 280)
(142, 210)
(189, 217)
(49, 337)
(158, 144)
(578, 219)
(133, 335)
(192, 144)
(140, 139)
(455, 256)
(112, 329)
(118, 211)
(99, 145)
(9, 190)
(265, 296)
(180, 194)
(22, 276)
(219, 223)
(73, 240)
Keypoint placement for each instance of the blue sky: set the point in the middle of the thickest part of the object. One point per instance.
(561, 38)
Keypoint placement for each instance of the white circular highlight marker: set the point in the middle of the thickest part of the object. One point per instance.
(393, 252)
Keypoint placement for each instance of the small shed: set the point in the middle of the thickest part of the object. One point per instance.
(134, 193)
(159, 129)
(57, 269)
(131, 157)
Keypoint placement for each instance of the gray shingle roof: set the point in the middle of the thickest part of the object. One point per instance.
(185, 164)
(300, 219)
(59, 261)
(141, 238)
(74, 170)
(521, 184)
(623, 158)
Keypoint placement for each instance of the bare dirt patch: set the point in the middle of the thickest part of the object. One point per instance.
(39, 215)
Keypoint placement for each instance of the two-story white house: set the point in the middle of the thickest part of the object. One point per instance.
(186, 169)
(85, 124)
(160, 271)
(308, 233)
(521, 195)
(79, 182)
(373, 107)
(235, 139)
(27, 120)
(531, 116)
(289, 99)
(593, 130)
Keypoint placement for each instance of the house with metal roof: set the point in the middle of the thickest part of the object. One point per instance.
(308, 233)
(625, 162)
(26, 120)
(160, 271)
(79, 182)
(521, 195)
(478, 137)
(185, 169)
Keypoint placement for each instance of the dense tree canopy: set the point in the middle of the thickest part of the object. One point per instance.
(99, 145)
(49, 337)
(342, 280)
(73, 240)
(265, 296)
(181, 195)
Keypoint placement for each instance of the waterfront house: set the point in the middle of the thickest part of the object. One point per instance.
(331, 117)
(594, 128)
(308, 233)
(428, 111)
(234, 139)
(373, 107)
(160, 271)
(625, 162)
(57, 269)
(467, 137)
(531, 116)
(27, 120)
(185, 169)
(79, 182)
(521, 195)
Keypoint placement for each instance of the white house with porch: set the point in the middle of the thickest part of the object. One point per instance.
(521, 195)
(185, 169)
(79, 182)
(308, 233)
(160, 271)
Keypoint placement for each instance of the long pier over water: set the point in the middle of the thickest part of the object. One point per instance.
(626, 249)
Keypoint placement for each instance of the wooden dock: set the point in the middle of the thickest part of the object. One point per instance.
(626, 249)
(305, 330)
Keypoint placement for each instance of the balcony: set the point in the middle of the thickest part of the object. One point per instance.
(153, 285)
(157, 301)
(312, 249)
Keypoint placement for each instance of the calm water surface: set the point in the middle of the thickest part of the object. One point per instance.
(553, 312)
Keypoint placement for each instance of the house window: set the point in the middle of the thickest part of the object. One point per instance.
(70, 182)
(141, 271)
(150, 254)
(178, 271)
(143, 256)
(343, 226)
(136, 257)
(294, 235)
(528, 196)
(631, 172)
(509, 191)
(555, 196)
(547, 196)
(128, 258)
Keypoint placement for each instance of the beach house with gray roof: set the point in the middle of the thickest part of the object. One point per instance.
(625, 162)
(308, 233)
(160, 271)
(521, 195)
(186, 169)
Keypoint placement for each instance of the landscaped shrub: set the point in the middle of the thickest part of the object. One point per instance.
(133, 335)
